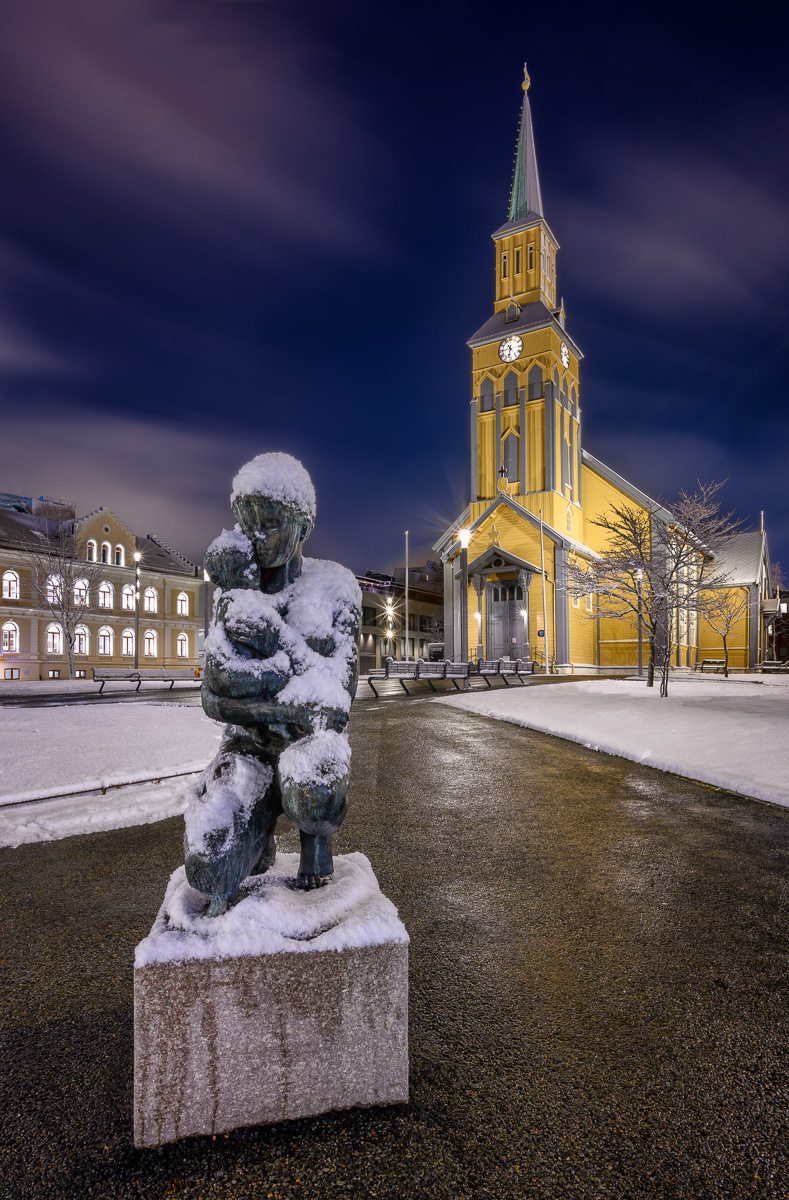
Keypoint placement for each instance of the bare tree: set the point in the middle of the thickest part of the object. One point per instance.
(656, 565)
(723, 610)
(63, 577)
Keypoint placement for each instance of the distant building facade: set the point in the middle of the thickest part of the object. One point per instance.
(169, 623)
(383, 629)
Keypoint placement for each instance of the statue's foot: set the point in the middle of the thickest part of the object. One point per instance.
(316, 860)
(308, 883)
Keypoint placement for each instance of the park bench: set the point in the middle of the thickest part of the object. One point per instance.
(776, 664)
(142, 675)
(504, 667)
(715, 664)
(402, 670)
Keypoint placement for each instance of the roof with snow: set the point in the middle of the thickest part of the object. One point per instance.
(740, 557)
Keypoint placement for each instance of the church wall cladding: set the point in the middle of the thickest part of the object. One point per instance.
(527, 459)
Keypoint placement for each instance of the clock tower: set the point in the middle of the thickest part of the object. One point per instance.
(525, 411)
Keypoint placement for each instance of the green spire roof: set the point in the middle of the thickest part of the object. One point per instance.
(525, 198)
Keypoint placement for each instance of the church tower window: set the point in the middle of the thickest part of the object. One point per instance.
(531, 256)
(535, 383)
(504, 266)
(517, 262)
(486, 395)
(509, 390)
(510, 456)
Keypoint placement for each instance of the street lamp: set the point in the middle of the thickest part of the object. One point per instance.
(137, 557)
(480, 648)
(639, 577)
(464, 537)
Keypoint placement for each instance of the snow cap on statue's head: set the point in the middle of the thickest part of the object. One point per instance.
(280, 477)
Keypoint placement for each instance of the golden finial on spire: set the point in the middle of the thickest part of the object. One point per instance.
(526, 80)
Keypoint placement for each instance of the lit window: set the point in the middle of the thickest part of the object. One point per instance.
(127, 598)
(150, 600)
(10, 641)
(81, 639)
(10, 585)
(576, 601)
(54, 589)
(11, 673)
(54, 639)
(182, 646)
(105, 552)
(119, 558)
(105, 595)
(517, 262)
(127, 642)
(80, 674)
(91, 551)
(182, 604)
(54, 674)
(589, 602)
(81, 592)
(149, 643)
(504, 266)
(105, 640)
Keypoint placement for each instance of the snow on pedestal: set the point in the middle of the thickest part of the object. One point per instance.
(288, 1005)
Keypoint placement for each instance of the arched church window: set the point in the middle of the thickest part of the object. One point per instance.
(535, 383)
(509, 455)
(486, 395)
(509, 392)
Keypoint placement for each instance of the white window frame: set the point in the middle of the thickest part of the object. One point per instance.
(182, 604)
(108, 560)
(127, 593)
(150, 635)
(81, 593)
(10, 585)
(54, 587)
(148, 594)
(10, 638)
(105, 639)
(54, 638)
(182, 645)
(91, 550)
(106, 589)
(127, 643)
(82, 635)
(119, 556)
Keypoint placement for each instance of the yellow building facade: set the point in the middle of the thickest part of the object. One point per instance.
(166, 632)
(535, 492)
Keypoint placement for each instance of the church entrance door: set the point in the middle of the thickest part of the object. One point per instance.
(506, 626)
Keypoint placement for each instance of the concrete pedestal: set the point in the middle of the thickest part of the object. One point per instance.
(316, 1019)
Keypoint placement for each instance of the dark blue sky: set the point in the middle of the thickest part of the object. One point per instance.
(227, 227)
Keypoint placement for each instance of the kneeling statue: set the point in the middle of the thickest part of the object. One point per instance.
(280, 671)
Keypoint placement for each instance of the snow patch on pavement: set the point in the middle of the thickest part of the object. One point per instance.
(717, 731)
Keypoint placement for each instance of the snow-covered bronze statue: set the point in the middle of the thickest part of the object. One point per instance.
(280, 671)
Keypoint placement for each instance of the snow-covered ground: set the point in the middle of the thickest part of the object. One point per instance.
(61, 751)
(730, 733)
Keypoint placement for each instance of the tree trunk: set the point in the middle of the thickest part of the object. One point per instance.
(725, 659)
(651, 667)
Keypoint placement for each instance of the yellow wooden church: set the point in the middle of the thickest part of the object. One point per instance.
(535, 491)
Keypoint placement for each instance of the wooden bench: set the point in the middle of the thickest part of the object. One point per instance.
(716, 664)
(504, 667)
(402, 670)
(142, 675)
(775, 664)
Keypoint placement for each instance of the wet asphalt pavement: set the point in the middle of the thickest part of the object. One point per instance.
(599, 986)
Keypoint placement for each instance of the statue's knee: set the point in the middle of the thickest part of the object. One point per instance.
(315, 807)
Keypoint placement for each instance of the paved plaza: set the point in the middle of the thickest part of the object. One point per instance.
(599, 985)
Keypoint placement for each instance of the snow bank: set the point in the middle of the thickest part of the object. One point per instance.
(278, 476)
(50, 820)
(716, 731)
(271, 918)
(58, 750)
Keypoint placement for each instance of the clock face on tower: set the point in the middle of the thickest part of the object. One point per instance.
(565, 353)
(510, 348)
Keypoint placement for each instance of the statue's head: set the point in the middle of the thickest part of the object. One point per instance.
(274, 503)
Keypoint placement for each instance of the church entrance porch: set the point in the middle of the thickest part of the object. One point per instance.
(507, 623)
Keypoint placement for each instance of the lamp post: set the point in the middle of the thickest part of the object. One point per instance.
(137, 557)
(406, 596)
(464, 536)
(639, 577)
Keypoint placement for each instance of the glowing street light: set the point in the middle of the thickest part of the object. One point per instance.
(464, 537)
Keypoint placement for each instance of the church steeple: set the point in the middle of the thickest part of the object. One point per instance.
(525, 199)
